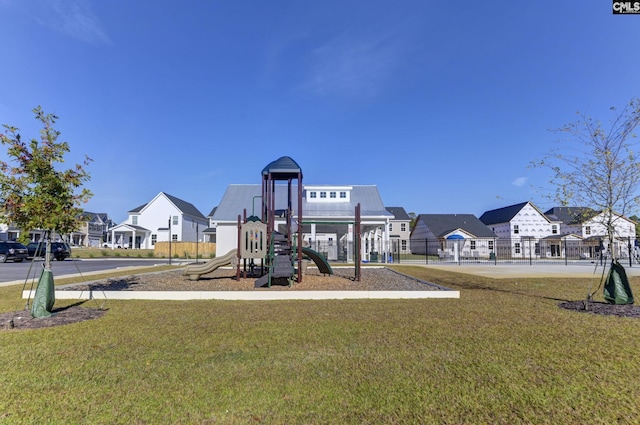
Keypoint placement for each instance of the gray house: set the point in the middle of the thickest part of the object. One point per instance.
(452, 236)
(399, 230)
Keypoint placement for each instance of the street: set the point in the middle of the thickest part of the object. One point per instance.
(27, 270)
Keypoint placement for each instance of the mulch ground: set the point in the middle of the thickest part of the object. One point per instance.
(598, 307)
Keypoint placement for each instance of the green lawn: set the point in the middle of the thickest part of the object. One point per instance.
(503, 353)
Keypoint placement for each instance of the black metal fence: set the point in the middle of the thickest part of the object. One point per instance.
(482, 251)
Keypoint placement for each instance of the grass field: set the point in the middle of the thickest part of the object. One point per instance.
(503, 353)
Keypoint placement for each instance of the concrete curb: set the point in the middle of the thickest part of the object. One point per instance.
(245, 295)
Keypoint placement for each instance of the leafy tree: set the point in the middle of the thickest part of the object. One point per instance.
(34, 193)
(596, 165)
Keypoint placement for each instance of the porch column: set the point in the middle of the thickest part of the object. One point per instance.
(313, 235)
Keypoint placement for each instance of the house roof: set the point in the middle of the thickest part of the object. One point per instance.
(185, 207)
(213, 211)
(238, 197)
(398, 213)
(505, 214)
(442, 224)
(571, 215)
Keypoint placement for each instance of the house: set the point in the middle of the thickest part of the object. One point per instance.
(328, 217)
(94, 230)
(8, 232)
(523, 231)
(590, 226)
(452, 236)
(209, 233)
(399, 230)
(154, 221)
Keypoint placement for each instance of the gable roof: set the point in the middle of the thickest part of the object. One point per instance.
(442, 224)
(185, 207)
(399, 213)
(571, 215)
(238, 197)
(506, 214)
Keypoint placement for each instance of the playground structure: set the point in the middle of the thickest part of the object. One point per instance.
(280, 251)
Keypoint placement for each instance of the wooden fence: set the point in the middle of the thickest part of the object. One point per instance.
(185, 249)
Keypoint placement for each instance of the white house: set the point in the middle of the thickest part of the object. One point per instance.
(152, 222)
(523, 231)
(590, 226)
(328, 217)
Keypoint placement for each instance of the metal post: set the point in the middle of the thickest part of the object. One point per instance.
(197, 241)
(169, 240)
(426, 250)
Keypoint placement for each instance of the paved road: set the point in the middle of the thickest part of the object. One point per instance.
(18, 272)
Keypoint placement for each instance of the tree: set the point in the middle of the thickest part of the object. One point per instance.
(35, 194)
(596, 166)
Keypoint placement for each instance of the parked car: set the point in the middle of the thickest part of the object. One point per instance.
(59, 250)
(12, 251)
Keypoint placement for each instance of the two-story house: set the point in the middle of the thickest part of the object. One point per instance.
(399, 230)
(94, 230)
(163, 218)
(523, 231)
(591, 226)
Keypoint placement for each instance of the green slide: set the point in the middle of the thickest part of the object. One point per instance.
(319, 259)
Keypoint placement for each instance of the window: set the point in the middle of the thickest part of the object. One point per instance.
(343, 195)
(134, 220)
(175, 220)
(517, 247)
(404, 244)
(332, 195)
(312, 194)
(391, 227)
(154, 238)
(330, 241)
(323, 195)
(473, 244)
(587, 230)
(491, 245)
(516, 229)
(403, 227)
(537, 248)
(174, 238)
(554, 229)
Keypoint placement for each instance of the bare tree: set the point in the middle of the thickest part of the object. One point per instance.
(596, 166)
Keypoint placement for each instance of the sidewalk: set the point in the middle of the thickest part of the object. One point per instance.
(535, 270)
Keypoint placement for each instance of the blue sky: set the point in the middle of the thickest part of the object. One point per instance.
(442, 105)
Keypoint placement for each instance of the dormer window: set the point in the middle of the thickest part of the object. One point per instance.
(328, 193)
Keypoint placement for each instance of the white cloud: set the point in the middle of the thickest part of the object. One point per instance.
(352, 66)
(520, 181)
(71, 17)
